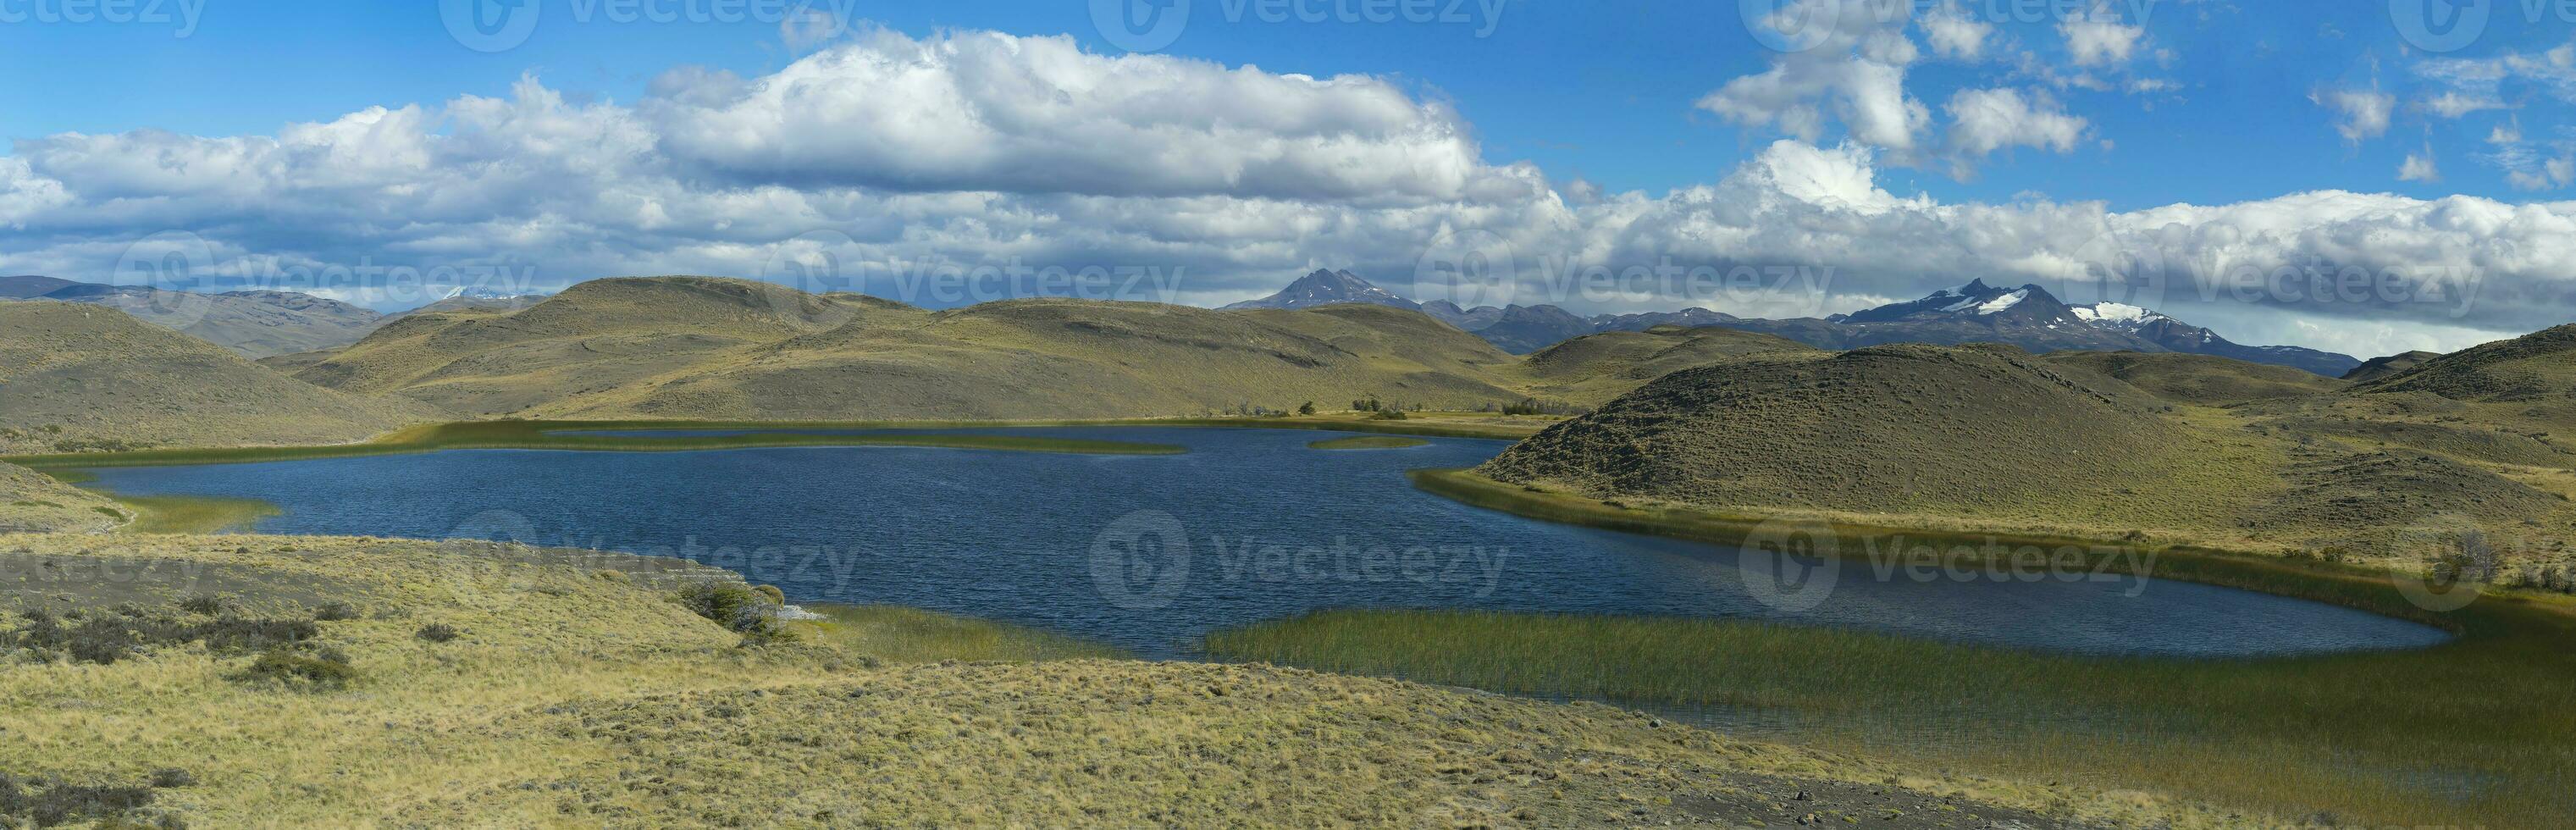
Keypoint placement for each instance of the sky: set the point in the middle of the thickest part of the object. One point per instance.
(2365, 177)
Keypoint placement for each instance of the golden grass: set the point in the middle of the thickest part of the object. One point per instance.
(579, 697)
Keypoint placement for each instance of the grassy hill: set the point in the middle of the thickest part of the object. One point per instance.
(1989, 439)
(2202, 380)
(1984, 431)
(2380, 367)
(595, 336)
(327, 681)
(254, 324)
(2537, 367)
(1596, 368)
(695, 347)
(32, 502)
(76, 377)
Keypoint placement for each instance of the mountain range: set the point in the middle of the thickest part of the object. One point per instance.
(2027, 316)
(254, 324)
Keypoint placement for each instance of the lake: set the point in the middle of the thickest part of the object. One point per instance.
(1152, 552)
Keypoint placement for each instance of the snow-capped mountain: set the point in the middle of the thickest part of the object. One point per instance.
(2027, 316)
(2034, 319)
(1326, 287)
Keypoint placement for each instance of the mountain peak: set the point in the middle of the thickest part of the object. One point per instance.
(1328, 287)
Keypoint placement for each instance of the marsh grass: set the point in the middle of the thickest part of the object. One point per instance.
(897, 634)
(1367, 442)
(194, 514)
(565, 435)
(2475, 731)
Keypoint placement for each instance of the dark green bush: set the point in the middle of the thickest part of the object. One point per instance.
(438, 632)
(311, 669)
(53, 803)
(335, 612)
(207, 604)
(738, 608)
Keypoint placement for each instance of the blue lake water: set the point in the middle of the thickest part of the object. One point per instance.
(1152, 552)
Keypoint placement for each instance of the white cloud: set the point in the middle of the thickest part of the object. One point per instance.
(2096, 41)
(1986, 120)
(986, 111)
(2454, 104)
(676, 184)
(1954, 33)
(2365, 112)
(1854, 75)
(2418, 167)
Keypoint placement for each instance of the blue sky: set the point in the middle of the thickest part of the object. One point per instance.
(1601, 90)
(1897, 151)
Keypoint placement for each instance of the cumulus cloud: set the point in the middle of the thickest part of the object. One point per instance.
(987, 111)
(2418, 167)
(2364, 111)
(2100, 41)
(1986, 120)
(1348, 172)
(1954, 33)
(1854, 75)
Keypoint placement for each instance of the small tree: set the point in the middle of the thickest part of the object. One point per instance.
(1307, 408)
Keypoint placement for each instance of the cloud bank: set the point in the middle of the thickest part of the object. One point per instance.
(884, 154)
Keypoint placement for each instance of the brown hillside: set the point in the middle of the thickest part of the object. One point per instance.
(1886, 428)
(76, 377)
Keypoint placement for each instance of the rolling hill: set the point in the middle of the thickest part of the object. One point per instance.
(255, 324)
(1886, 428)
(2202, 380)
(75, 377)
(2536, 367)
(2092, 445)
(1598, 367)
(2380, 367)
(697, 347)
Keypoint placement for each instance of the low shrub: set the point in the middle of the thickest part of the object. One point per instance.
(335, 612)
(315, 669)
(53, 802)
(738, 608)
(207, 604)
(129, 631)
(438, 633)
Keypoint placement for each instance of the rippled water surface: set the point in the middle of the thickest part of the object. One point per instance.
(1150, 552)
